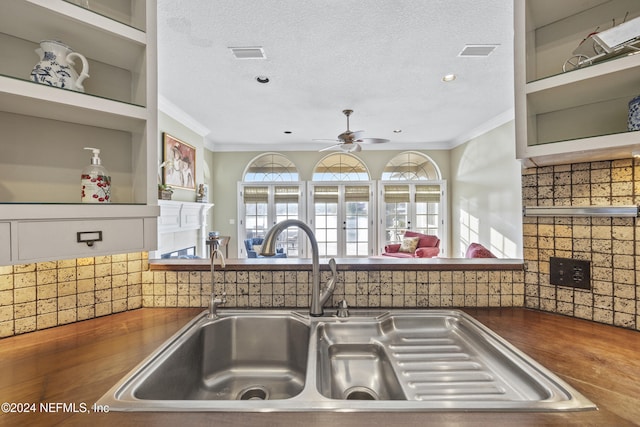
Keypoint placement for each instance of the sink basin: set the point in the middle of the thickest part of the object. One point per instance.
(353, 364)
(252, 357)
(357, 372)
(396, 360)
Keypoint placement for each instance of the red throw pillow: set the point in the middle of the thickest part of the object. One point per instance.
(392, 248)
(476, 250)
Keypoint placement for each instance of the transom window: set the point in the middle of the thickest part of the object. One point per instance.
(271, 167)
(340, 167)
(409, 166)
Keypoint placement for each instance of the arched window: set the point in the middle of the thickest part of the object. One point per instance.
(340, 206)
(409, 166)
(271, 167)
(340, 167)
(412, 192)
(269, 193)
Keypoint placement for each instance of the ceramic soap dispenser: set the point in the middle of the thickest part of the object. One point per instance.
(96, 182)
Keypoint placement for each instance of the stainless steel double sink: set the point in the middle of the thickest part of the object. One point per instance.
(420, 360)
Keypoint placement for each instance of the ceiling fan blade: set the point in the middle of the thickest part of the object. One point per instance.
(372, 140)
(327, 140)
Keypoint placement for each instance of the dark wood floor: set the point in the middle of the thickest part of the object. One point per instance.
(78, 363)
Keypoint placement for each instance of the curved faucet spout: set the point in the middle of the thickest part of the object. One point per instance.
(213, 301)
(269, 249)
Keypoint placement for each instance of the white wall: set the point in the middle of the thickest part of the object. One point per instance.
(486, 194)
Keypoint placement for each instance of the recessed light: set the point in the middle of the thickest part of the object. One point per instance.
(449, 78)
(262, 79)
(288, 132)
(397, 130)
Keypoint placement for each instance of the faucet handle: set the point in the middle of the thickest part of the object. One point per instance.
(343, 309)
(223, 300)
(331, 283)
(332, 266)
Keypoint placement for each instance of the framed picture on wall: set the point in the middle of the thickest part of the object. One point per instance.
(179, 163)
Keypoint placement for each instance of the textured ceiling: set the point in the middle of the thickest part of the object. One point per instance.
(384, 59)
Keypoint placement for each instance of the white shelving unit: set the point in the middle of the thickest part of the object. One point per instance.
(44, 130)
(578, 115)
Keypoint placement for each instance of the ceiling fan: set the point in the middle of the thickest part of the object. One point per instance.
(349, 141)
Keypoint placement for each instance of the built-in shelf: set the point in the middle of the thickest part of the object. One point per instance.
(45, 130)
(36, 100)
(96, 36)
(579, 115)
(67, 211)
(586, 211)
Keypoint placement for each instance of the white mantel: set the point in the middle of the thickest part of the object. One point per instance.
(182, 224)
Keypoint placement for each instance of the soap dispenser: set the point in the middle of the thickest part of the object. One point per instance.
(96, 182)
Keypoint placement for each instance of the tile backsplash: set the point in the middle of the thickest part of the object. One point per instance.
(610, 244)
(361, 289)
(42, 295)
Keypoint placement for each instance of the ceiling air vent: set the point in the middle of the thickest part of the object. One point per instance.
(248, 52)
(478, 49)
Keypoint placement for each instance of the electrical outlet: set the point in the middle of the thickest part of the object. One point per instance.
(570, 272)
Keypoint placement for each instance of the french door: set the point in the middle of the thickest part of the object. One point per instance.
(416, 206)
(342, 218)
(264, 205)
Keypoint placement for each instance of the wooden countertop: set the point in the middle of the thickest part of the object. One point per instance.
(78, 363)
(343, 264)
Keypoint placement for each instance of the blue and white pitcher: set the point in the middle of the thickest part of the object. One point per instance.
(56, 66)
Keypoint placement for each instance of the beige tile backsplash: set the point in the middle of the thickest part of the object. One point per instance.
(43, 295)
(362, 289)
(611, 244)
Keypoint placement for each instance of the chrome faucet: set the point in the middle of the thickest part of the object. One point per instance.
(214, 301)
(318, 296)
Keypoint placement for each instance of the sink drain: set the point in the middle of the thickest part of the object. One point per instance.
(360, 393)
(254, 393)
